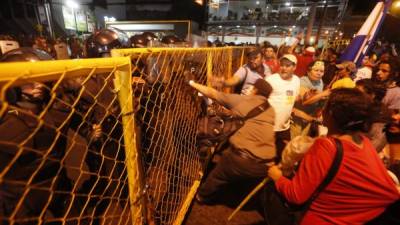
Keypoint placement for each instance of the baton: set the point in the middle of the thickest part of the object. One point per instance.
(248, 197)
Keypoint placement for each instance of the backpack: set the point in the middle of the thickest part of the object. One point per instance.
(215, 129)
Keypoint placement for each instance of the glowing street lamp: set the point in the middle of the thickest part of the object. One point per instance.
(73, 5)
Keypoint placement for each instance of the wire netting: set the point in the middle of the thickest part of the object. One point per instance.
(62, 158)
(63, 129)
(167, 113)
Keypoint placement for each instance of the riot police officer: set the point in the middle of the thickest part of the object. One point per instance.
(31, 151)
(103, 41)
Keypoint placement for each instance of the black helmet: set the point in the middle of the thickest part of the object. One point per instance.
(25, 55)
(101, 43)
(150, 36)
(139, 41)
(170, 39)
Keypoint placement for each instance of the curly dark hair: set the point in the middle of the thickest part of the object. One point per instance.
(350, 110)
(378, 90)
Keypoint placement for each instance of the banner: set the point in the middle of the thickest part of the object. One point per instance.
(366, 36)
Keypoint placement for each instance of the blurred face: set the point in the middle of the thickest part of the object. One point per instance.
(383, 73)
(385, 57)
(255, 61)
(343, 72)
(269, 53)
(34, 90)
(286, 69)
(317, 71)
(333, 58)
(365, 60)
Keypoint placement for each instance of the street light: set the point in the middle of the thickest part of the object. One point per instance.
(73, 5)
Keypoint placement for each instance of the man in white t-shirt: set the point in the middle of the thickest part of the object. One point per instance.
(286, 88)
(247, 75)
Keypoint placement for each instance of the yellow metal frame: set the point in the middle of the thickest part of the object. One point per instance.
(46, 70)
(21, 72)
(133, 152)
(131, 51)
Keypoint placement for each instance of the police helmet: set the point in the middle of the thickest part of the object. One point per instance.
(171, 39)
(139, 41)
(101, 43)
(25, 54)
(149, 36)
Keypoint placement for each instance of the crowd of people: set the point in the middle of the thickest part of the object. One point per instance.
(319, 103)
(283, 93)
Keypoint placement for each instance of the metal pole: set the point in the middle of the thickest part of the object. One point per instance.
(76, 23)
(321, 23)
(223, 34)
(47, 9)
(258, 33)
(311, 23)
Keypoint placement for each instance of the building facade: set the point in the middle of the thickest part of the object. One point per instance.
(256, 21)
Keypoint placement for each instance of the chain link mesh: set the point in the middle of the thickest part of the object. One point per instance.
(167, 114)
(63, 158)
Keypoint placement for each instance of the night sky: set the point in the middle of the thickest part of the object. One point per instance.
(362, 7)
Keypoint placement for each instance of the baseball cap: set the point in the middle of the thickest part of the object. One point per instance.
(349, 65)
(310, 49)
(292, 58)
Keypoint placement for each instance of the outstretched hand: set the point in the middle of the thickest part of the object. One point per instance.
(217, 82)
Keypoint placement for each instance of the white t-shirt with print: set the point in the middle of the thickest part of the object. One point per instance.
(282, 99)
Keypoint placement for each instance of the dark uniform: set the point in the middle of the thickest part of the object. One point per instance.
(31, 153)
(98, 105)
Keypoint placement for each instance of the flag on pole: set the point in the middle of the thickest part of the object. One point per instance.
(361, 43)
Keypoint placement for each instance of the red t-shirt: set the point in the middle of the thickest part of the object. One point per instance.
(361, 190)
(273, 65)
(302, 63)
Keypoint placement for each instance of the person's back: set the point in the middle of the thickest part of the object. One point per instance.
(361, 190)
(256, 135)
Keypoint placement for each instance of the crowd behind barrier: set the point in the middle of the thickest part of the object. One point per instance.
(44, 178)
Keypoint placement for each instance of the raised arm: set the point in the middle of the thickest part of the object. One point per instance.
(233, 81)
(296, 42)
(209, 92)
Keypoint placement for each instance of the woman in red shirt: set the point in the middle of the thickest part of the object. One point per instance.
(362, 188)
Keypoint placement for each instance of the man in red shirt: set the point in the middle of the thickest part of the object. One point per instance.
(304, 60)
(270, 58)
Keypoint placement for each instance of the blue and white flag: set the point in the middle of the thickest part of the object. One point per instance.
(361, 43)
